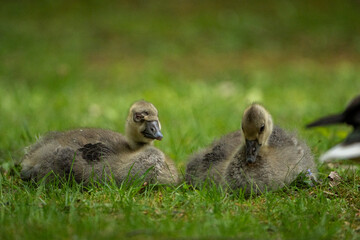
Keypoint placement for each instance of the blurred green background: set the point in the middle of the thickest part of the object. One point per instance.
(65, 64)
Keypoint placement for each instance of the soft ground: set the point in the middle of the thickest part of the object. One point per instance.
(65, 64)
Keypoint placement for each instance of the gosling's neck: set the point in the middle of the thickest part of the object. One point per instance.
(135, 145)
(134, 140)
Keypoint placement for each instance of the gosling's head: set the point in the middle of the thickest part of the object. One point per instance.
(257, 126)
(142, 124)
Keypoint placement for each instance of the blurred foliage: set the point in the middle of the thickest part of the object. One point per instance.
(73, 63)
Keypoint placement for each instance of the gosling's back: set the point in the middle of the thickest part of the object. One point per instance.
(57, 151)
(210, 163)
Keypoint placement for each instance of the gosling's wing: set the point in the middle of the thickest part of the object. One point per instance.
(95, 152)
(213, 157)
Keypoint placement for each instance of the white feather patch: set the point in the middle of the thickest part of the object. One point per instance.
(342, 151)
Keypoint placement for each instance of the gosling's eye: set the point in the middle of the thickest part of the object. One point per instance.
(138, 117)
(262, 128)
(146, 113)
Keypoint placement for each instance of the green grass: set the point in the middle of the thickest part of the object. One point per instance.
(66, 64)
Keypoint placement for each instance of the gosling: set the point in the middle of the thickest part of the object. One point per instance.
(259, 157)
(269, 158)
(96, 155)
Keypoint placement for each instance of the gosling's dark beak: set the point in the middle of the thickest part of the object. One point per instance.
(252, 149)
(152, 130)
